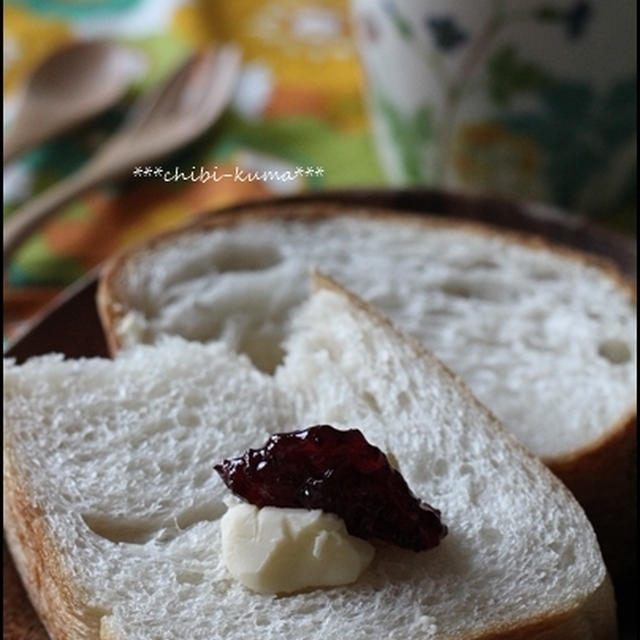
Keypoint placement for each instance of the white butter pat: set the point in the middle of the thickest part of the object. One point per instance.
(274, 550)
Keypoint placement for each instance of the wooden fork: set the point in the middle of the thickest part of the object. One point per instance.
(173, 114)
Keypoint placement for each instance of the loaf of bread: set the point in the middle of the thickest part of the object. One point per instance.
(112, 507)
(545, 337)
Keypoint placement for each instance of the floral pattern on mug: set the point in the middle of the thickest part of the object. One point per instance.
(541, 130)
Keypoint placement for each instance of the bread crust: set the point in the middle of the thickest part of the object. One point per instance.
(59, 601)
(19, 618)
(595, 619)
(601, 474)
(603, 478)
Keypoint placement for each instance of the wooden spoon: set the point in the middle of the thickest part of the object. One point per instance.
(69, 86)
(173, 114)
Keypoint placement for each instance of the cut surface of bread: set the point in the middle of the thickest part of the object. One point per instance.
(112, 507)
(545, 337)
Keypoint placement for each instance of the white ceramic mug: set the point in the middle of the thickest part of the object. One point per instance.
(534, 99)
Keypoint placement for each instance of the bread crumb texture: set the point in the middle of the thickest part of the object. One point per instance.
(119, 456)
(542, 338)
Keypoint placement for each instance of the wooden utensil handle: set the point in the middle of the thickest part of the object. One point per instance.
(14, 143)
(28, 130)
(27, 218)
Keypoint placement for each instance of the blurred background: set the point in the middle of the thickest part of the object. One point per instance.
(298, 104)
(301, 106)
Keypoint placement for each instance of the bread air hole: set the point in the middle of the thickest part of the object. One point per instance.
(479, 264)
(440, 467)
(371, 401)
(195, 400)
(189, 419)
(477, 290)
(615, 351)
(457, 289)
(403, 400)
(544, 274)
(189, 577)
(566, 556)
(490, 536)
(118, 529)
(205, 512)
(265, 351)
(243, 258)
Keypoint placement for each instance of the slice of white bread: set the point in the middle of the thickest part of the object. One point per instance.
(112, 507)
(545, 337)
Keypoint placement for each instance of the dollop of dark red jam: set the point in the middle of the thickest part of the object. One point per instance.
(341, 473)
